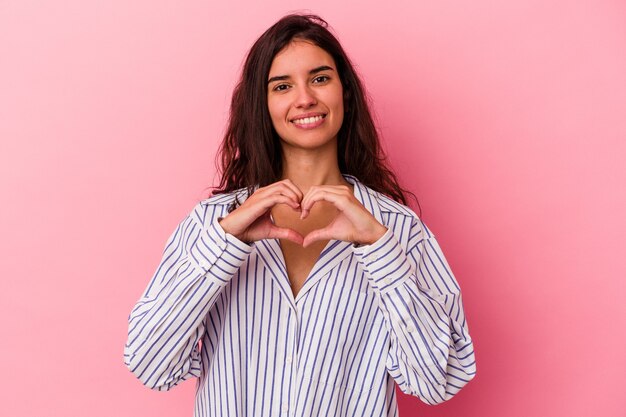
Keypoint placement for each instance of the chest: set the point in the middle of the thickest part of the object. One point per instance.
(299, 261)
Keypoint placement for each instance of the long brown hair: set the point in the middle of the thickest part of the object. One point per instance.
(250, 153)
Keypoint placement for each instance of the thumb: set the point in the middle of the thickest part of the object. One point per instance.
(316, 235)
(285, 233)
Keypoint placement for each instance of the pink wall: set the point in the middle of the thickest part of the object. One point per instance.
(508, 120)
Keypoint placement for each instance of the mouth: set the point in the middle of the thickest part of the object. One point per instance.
(309, 120)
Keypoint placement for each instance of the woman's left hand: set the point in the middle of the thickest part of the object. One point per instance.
(353, 223)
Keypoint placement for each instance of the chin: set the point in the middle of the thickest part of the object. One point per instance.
(309, 143)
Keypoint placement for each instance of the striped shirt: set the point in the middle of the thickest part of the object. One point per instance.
(366, 318)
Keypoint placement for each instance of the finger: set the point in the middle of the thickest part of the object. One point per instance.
(285, 233)
(317, 235)
(284, 189)
(306, 202)
(305, 212)
(261, 206)
(335, 189)
(294, 188)
(289, 188)
(271, 201)
(338, 199)
(254, 207)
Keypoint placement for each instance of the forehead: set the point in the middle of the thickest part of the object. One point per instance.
(299, 55)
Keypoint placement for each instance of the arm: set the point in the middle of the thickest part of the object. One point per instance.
(431, 353)
(166, 324)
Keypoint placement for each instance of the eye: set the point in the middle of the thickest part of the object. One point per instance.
(279, 87)
(321, 79)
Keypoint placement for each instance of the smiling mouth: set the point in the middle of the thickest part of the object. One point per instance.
(308, 120)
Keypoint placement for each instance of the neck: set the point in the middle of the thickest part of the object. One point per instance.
(306, 167)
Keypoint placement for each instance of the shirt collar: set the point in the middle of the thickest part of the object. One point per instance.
(366, 196)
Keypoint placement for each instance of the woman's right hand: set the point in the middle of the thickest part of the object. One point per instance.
(251, 221)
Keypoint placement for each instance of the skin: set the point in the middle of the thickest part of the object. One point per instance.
(312, 203)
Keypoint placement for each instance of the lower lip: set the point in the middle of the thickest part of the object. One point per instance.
(309, 126)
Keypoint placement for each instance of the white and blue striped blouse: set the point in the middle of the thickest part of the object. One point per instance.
(367, 317)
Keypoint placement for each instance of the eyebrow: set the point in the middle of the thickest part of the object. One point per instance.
(313, 71)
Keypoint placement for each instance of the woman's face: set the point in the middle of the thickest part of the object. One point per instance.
(305, 96)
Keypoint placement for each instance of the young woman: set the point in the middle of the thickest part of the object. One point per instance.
(304, 286)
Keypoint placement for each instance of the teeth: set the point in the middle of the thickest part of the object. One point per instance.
(308, 120)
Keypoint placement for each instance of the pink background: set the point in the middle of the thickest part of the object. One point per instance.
(507, 119)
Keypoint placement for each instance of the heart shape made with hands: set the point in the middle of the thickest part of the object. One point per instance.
(351, 222)
(302, 228)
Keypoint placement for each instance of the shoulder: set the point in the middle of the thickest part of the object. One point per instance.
(395, 209)
(216, 205)
(383, 202)
(389, 205)
(225, 199)
(392, 211)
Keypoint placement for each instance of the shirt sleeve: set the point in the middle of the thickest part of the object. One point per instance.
(431, 354)
(167, 322)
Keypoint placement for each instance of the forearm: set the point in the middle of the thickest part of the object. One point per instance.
(431, 353)
(165, 324)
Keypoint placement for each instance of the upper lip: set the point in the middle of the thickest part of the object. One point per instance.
(302, 116)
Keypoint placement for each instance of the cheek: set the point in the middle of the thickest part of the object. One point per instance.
(274, 113)
(338, 102)
(337, 98)
(277, 110)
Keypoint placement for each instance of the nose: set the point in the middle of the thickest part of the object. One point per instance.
(305, 97)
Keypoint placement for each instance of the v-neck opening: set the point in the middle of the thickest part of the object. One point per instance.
(331, 255)
(313, 270)
(316, 265)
